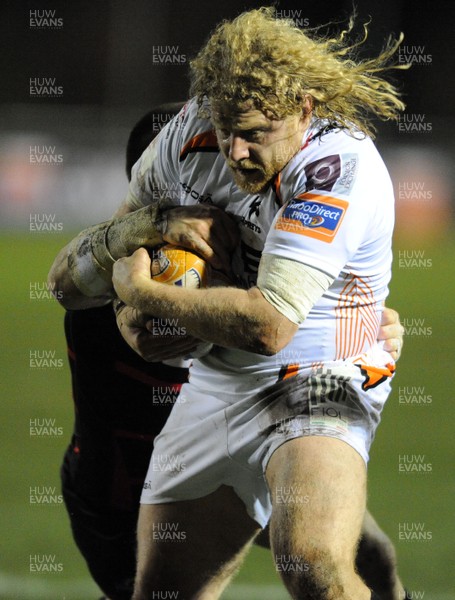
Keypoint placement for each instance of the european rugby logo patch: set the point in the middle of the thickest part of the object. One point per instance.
(313, 215)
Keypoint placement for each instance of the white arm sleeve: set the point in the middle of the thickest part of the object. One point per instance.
(155, 176)
(138, 193)
(293, 288)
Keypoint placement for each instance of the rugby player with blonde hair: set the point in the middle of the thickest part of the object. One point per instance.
(278, 137)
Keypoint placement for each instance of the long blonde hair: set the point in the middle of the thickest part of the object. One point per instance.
(274, 64)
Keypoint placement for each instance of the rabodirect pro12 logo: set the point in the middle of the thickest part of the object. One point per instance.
(313, 215)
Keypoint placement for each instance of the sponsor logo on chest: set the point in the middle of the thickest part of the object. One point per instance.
(317, 216)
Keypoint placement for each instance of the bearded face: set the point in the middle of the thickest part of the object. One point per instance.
(255, 146)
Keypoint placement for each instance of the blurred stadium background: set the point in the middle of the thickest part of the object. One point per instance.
(99, 58)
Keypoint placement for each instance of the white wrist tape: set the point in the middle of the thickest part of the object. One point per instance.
(90, 262)
(291, 287)
(93, 253)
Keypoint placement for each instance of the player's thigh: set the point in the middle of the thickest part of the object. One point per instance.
(371, 533)
(318, 488)
(192, 546)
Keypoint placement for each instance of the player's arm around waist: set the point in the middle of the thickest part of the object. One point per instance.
(228, 317)
(81, 276)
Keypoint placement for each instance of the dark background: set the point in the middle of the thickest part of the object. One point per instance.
(102, 54)
(102, 57)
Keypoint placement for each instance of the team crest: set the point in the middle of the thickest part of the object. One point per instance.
(322, 174)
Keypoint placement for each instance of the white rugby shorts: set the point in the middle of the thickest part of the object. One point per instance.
(226, 439)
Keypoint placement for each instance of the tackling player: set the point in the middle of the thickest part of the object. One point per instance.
(93, 288)
(122, 403)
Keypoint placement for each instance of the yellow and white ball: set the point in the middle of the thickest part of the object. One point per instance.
(176, 266)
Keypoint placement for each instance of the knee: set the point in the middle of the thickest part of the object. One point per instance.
(314, 573)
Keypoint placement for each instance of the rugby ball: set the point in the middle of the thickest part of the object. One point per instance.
(176, 266)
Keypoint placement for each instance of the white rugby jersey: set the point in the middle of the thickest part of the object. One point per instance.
(331, 207)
